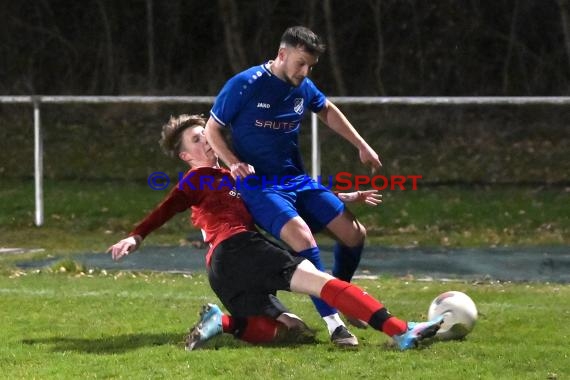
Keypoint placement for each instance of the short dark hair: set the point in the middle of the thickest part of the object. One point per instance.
(305, 38)
(171, 136)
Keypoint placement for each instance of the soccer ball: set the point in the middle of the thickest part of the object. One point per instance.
(459, 314)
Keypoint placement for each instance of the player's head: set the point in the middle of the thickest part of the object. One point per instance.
(303, 38)
(183, 137)
(299, 51)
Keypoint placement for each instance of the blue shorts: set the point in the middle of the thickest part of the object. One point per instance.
(273, 206)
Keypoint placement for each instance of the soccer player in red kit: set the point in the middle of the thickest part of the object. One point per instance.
(245, 270)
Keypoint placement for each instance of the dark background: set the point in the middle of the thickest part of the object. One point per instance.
(376, 47)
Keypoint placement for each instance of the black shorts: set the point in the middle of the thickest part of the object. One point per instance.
(247, 270)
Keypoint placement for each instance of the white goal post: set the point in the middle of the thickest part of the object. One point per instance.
(36, 101)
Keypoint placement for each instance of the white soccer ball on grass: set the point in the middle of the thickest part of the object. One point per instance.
(459, 314)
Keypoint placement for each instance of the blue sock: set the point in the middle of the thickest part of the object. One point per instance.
(313, 255)
(346, 260)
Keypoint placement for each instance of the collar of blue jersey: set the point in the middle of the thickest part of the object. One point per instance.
(267, 67)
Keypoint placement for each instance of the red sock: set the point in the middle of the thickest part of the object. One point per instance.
(259, 330)
(394, 326)
(228, 324)
(353, 301)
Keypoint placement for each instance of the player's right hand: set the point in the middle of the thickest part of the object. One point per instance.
(124, 247)
(369, 157)
(241, 169)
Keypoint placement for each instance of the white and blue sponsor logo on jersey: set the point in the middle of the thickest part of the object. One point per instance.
(298, 107)
(277, 125)
(263, 105)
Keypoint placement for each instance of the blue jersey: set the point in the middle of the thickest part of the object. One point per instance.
(264, 114)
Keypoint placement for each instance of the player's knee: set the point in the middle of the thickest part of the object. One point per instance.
(356, 236)
(297, 234)
(307, 279)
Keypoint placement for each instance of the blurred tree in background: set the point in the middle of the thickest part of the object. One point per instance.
(376, 47)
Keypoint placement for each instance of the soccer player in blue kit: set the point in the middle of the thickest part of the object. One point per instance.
(263, 107)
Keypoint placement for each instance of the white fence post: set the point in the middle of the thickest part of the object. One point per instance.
(315, 155)
(315, 147)
(38, 163)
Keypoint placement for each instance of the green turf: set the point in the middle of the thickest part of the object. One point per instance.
(131, 325)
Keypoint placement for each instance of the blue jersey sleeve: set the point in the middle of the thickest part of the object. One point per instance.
(230, 100)
(316, 98)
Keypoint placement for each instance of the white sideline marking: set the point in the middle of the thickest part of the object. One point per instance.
(97, 293)
(14, 251)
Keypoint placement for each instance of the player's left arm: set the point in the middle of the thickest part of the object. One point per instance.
(335, 120)
(125, 246)
(370, 197)
(176, 201)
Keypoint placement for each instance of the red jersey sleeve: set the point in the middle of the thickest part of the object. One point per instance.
(176, 201)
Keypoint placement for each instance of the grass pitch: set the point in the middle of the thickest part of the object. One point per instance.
(132, 325)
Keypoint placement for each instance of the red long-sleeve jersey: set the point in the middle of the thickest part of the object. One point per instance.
(215, 207)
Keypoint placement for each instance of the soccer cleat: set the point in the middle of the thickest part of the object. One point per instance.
(417, 332)
(300, 334)
(344, 338)
(358, 323)
(209, 325)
